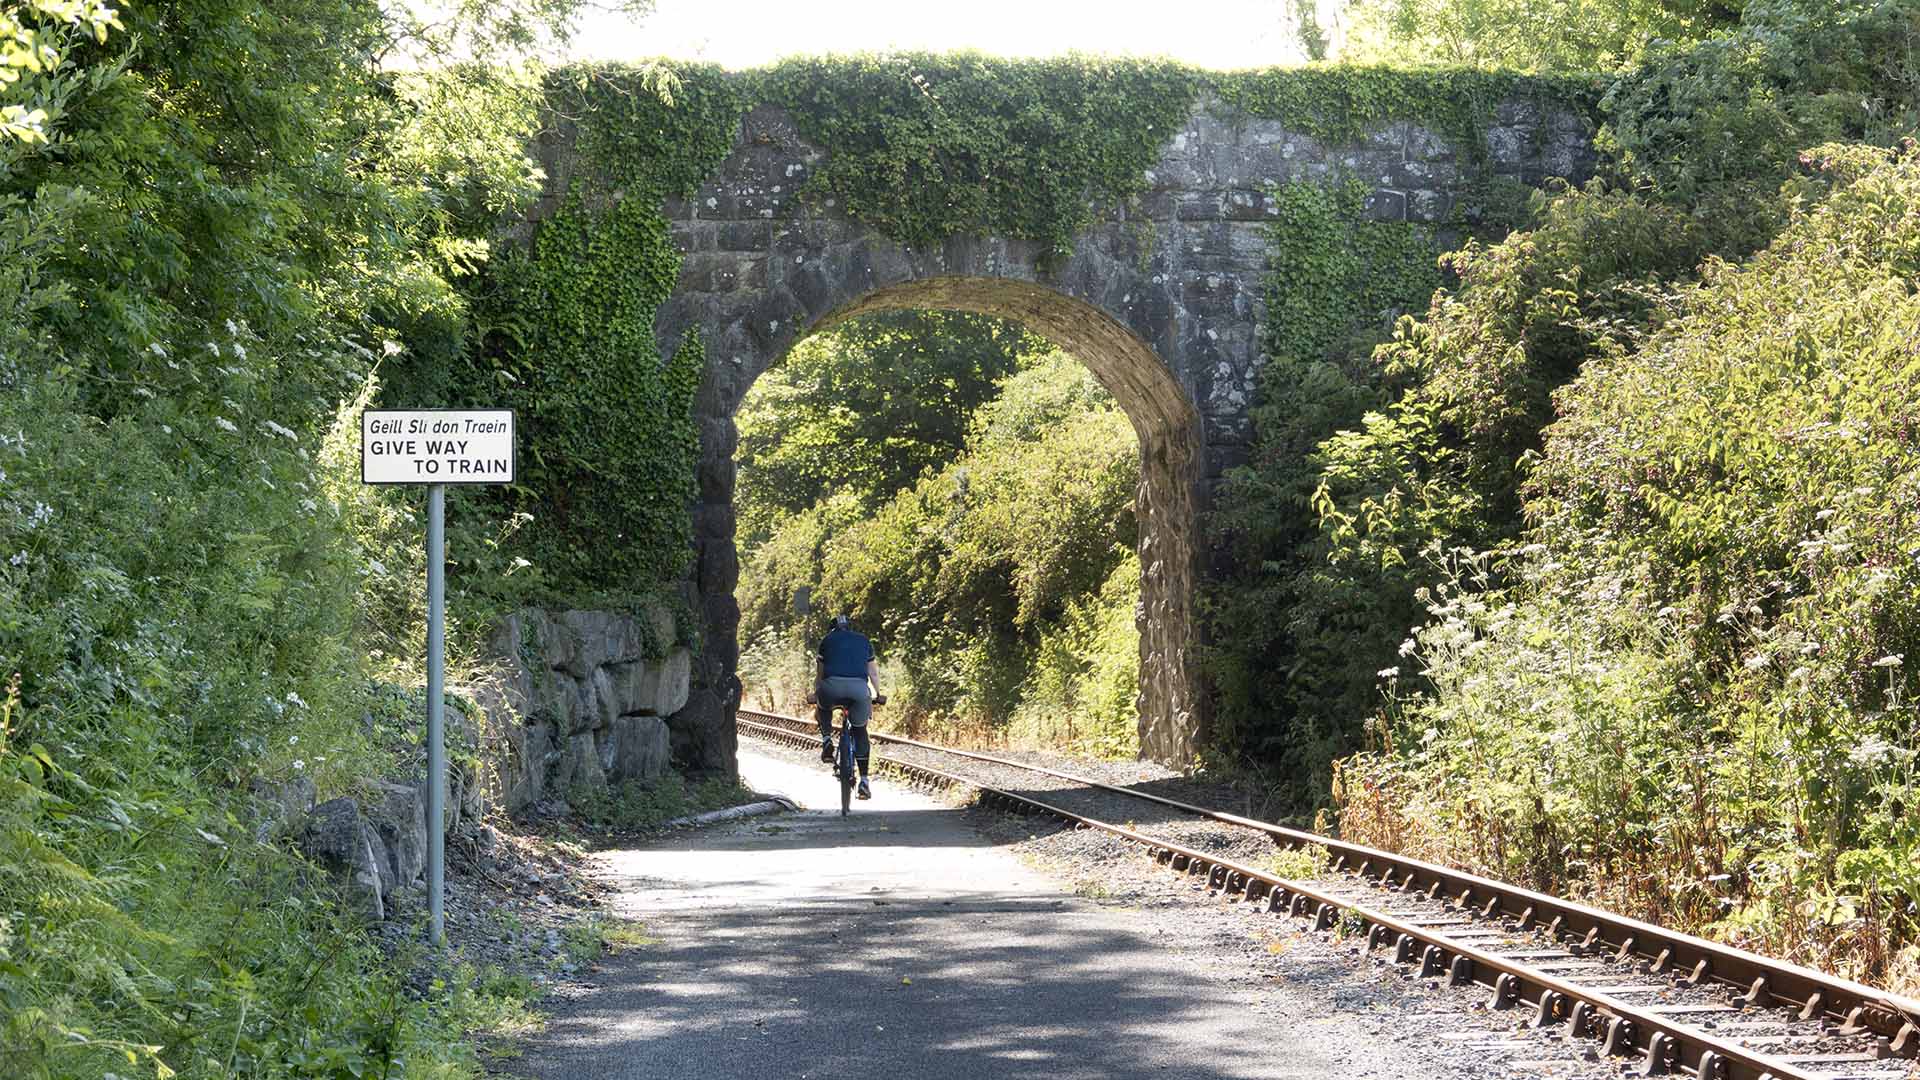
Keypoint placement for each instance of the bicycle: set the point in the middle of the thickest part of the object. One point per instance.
(845, 767)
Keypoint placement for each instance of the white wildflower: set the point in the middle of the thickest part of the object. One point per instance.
(1870, 751)
(389, 348)
(308, 505)
(239, 350)
(1407, 647)
(1891, 660)
(283, 432)
(295, 700)
(293, 740)
(19, 558)
(225, 425)
(168, 428)
(1756, 661)
(233, 328)
(1388, 672)
(376, 566)
(141, 391)
(1799, 673)
(298, 764)
(213, 348)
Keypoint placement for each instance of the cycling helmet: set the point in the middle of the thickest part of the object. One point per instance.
(842, 622)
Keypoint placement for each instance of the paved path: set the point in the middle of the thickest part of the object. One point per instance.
(895, 944)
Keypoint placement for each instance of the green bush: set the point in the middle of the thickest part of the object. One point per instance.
(865, 408)
(224, 220)
(1399, 463)
(1698, 697)
(996, 582)
(1080, 693)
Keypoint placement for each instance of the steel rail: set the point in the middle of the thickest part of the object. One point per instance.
(1764, 981)
(1668, 1046)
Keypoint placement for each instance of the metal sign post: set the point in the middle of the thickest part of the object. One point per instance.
(437, 712)
(437, 447)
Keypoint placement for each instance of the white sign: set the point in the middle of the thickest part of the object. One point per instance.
(437, 446)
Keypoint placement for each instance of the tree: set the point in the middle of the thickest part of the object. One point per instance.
(866, 407)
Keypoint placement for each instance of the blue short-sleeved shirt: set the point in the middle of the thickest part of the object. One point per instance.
(845, 654)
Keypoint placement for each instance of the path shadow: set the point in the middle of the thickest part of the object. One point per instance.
(987, 986)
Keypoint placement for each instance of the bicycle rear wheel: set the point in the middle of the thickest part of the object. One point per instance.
(846, 773)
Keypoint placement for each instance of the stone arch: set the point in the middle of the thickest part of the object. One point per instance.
(1166, 503)
(761, 271)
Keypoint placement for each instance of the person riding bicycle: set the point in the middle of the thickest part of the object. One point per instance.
(848, 677)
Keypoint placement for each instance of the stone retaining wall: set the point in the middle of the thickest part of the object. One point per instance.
(575, 700)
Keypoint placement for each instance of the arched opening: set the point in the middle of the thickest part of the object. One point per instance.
(1166, 427)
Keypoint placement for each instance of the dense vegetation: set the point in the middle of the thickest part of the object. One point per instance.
(984, 536)
(1695, 690)
(216, 220)
(1512, 35)
(863, 410)
(1572, 552)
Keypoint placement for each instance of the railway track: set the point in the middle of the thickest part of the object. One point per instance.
(1667, 1003)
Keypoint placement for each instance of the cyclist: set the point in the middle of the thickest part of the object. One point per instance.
(847, 677)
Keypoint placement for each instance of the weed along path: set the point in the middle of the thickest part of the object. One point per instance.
(899, 942)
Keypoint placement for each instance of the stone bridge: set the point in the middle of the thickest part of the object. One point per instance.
(1161, 299)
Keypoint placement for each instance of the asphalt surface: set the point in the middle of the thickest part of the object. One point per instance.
(899, 942)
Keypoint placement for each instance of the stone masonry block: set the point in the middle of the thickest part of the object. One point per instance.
(1385, 204)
